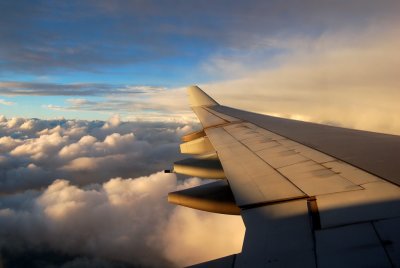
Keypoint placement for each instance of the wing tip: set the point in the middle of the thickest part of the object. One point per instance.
(198, 97)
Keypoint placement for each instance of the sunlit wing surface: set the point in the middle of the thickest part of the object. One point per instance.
(310, 195)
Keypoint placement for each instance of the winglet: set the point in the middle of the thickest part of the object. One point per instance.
(198, 97)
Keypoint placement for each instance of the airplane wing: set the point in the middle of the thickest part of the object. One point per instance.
(310, 195)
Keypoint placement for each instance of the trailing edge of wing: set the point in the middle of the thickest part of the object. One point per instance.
(200, 167)
(214, 197)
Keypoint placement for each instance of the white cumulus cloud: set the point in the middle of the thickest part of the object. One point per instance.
(80, 191)
(126, 220)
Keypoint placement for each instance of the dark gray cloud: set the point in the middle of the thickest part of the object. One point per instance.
(93, 35)
(14, 88)
(48, 35)
(47, 258)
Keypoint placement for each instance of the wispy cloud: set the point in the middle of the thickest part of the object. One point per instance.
(15, 88)
(150, 105)
(7, 103)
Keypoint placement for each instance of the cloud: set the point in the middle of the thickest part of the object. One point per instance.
(143, 33)
(154, 105)
(134, 102)
(289, 59)
(335, 78)
(7, 103)
(61, 207)
(113, 122)
(40, 148)
(35, 152)
(194, 229)
(7, 144)
(280, 51)
(15, 88)
(124, 220)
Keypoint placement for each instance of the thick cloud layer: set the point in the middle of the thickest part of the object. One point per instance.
(67, 197)
(36, 152)
(124, 220)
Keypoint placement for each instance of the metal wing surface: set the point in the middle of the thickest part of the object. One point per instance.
(310, 195)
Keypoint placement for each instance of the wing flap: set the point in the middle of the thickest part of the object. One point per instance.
(193, 136)
(284, 239)
(350, 246)
(388, 231)
(206, 167)
(197, 146)
(213, 197)
(378, 200)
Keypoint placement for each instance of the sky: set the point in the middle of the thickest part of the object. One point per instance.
(93, 104)
(92, 59)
